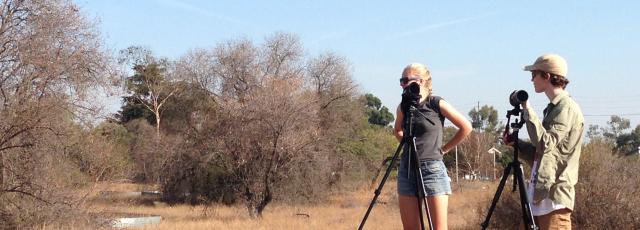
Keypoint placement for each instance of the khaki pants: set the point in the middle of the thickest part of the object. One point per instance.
(556, 220)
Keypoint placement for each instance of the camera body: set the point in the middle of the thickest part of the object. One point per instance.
(410, 96)
(517, 97)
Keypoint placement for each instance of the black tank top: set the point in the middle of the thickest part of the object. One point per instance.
(427, 128)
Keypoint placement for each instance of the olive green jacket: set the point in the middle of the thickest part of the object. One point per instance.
(556, 142)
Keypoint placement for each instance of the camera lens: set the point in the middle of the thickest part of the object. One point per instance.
(413, 89)
(517, 97)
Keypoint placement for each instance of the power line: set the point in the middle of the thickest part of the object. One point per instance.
(605, 115)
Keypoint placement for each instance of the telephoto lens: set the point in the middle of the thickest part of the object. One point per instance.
(517, 97)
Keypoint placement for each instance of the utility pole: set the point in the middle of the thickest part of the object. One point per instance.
(457, 163)
(494, 166)
(477, 120)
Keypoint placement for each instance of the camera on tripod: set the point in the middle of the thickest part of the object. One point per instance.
(410, 96)
(516, 98)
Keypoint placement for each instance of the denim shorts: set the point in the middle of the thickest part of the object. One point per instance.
(434, 176)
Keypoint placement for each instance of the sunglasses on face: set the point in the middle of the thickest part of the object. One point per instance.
(405, 80)
(534, 74)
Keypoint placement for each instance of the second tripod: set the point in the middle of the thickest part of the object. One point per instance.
(514, 167)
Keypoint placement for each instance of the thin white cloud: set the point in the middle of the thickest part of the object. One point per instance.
(437, 26)
(182, 5)
(328, 36)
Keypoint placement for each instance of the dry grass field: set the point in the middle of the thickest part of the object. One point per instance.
(341, 211)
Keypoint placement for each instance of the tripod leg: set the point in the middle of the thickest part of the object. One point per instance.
(496, 197)
(423, 197)
(527, 215)
(420, 195)
(420, 186)
(384, 179)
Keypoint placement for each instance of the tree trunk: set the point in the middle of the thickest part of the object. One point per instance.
(1, 173)
(157, 113)
(253, 212)
(259, 202)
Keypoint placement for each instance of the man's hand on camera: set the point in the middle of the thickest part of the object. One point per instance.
(507, 139)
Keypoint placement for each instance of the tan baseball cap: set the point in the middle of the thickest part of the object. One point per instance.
(550, 63)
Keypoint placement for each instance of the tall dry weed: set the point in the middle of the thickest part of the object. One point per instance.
(606, 193)
(607, 190)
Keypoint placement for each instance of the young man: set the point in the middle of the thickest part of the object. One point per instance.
(556, 140)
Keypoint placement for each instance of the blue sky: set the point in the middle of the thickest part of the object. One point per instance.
(475, 49)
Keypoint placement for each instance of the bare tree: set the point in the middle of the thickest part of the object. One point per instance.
(237, 68)
(266, 126)
(268, 119)
(329, 78)
(272, 130)
(281, 56)
(474, 156)
(197, 67)
(50, 58)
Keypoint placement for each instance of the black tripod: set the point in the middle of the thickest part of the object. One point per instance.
(516, 167)
(414, 166)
